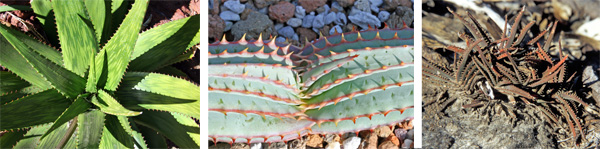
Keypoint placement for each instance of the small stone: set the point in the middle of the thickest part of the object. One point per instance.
(319, 22)
(256, 24)
(229, 16)
(296, 37)
(277, 145)
(256, 146)
(314, 140)
(216, 27)
(250, 5)
(394, 139)
(287, 32)
(590, 78)
(300, 12)
(364, 19)
(334, 145)
(245, 13)
(362, 5)
(306, 34)
(345, 3)
(263, 10)
(264, 3)
(410, 134)
(308, 21)
(383, 16)
(335, 29)
(406, 13)
(280, 39)
(400, 133)
(240, 146)
(387, 145)
(375, 5)
(311, 5)
(294, 22)
(331, 17)
(215, 7)
(341, 19)
(324, 31)
(332, 137)
(407, 143)
(297, 144)
(323, 9)
(234, 6)
(278, 26)
(282, 11)
(371, 141)
(336, 7)
(391, 4)
(383, 131)
(352, 142)
(228, 25)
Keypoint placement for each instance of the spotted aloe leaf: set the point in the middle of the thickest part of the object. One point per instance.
(82, 97)
(346, 83)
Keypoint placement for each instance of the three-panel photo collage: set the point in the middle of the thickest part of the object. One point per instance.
(299, 74)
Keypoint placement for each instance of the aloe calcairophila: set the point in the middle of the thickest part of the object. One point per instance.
(108, 87)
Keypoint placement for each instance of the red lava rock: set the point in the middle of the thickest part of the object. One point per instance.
(282, 11)
(216, 26)
(314, 140)
(345, 3)
(216, 6)
(393, 139)
(305, 33)
(311, 5)
(387, 145)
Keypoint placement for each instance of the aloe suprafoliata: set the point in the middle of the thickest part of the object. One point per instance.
(264, 91)
(83, 97)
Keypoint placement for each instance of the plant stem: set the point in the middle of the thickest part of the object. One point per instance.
(67, 136)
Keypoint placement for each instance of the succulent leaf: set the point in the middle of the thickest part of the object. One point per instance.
(114, 135)
(55, 137)
(13, 60)
(363, 123)
(76, 36)
(14, 7)
(182, 130)
(100, 17)
(80, 105)
(44, 13)
(40, 108)
(110, 105)
(153, 138)
(11, 82)
(90, 128)
(9, 139)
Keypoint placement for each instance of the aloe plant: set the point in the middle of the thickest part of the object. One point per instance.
(271, 92)
(98, 91)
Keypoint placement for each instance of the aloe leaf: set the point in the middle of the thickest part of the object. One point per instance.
(255, 127)
(136, 134)
(114, 135)
(182, 130)
(32, 137)
(44, 13)
(189, 54)
(195, 41)
(80, 105)
(10, 82)
(68, 83)
(13, 60)
(160, 92)
(92, 80)
(158, 45)
(76, 34)
(172, 71)
(13, 95)
(40, 108)
(363, 123)
(55, 137)
(100, 16)
(118, 10)
(152, 137)
(14, 7)
(9, 139)
(37, 46)
(90, 127)
(110, 105)
(121, 45)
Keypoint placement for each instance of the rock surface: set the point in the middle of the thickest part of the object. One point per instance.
(256, 24)
(311, 5)
(282, 11)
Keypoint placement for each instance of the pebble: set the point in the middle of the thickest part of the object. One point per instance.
(228, 25)
(217, 26)
(263, 10)
(411, 134)
(383, 131)
(375, 5)
(334, 145)
(363, 20)
(383, 16)
(400, 133)
(282, 11)
(345, 3)
(264, 3)
(362, 5)
(330, 18)
(314, 140)
(591, 79)
(278, 26)
(336, 7)
(323, 9)
(256, 24)
(296, 37)
(334, 29)
(407, 143)
(256, 146)
(306, 34)
(387, 145)
(300, 12)
(308, 21)
(341, 18)
(294, 22)
(229, 16)
(234, 6)
(311, 5)
(280, 39)
(352, 142)
(287, 32)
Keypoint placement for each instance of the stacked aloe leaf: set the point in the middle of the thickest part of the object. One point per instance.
(107, 86)
(348, 82)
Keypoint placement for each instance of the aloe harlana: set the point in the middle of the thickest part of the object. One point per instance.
(348, 82)
(82, 97)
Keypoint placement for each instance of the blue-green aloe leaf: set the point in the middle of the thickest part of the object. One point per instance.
(180, 129)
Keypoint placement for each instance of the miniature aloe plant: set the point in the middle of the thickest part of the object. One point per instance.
(99, 91)
(263, 92)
